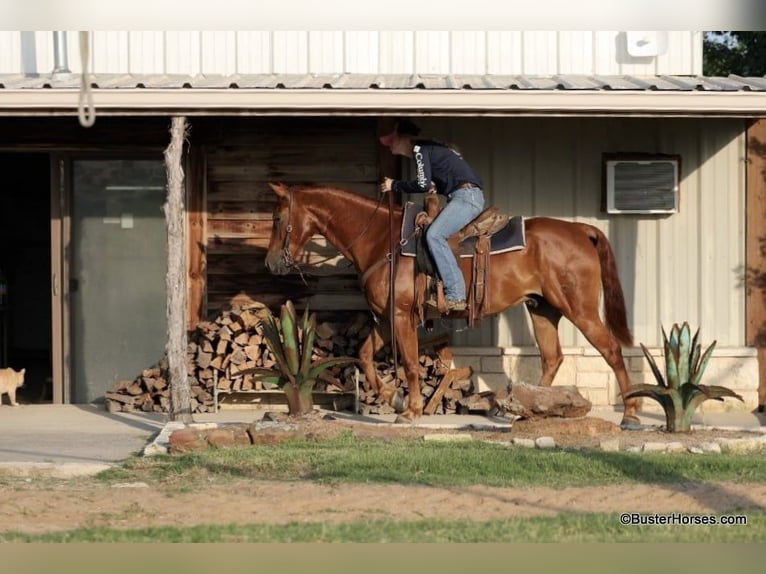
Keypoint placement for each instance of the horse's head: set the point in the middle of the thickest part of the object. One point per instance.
(289, 233)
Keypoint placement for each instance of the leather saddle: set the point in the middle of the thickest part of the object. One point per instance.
(479, 231)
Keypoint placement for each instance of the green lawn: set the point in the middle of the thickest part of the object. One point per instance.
(347, 459)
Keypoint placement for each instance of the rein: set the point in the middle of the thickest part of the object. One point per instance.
(290, 262)
(392, 279)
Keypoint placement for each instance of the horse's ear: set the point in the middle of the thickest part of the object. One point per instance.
(279, 188)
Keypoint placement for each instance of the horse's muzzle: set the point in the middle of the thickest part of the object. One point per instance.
(276, 264)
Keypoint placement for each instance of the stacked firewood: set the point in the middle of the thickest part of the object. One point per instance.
(222, 351)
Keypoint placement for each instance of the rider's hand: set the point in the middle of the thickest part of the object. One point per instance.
(386, 185)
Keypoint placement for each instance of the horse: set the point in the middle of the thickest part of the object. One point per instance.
(561, 271)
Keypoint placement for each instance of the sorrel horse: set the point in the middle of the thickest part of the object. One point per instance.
(561, 272)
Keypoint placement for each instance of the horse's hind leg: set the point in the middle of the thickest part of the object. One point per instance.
(600, 337)
(545, 322)
(387, 393)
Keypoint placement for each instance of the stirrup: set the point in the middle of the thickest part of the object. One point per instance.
(456, 305)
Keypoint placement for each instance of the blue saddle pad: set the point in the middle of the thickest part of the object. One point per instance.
(509, 238)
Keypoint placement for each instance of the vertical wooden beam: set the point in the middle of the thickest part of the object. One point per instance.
(180, 391)
(755, 257)
(196, 192)
(59, 338)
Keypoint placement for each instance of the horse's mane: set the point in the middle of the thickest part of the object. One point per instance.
(353, 199)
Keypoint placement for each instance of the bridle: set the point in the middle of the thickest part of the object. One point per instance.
(289, 260)
(287, 257)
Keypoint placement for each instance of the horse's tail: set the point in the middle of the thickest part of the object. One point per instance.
(614, 300)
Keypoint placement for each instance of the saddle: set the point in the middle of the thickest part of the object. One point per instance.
(490, 232)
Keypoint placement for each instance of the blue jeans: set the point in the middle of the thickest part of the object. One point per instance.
(463, 205)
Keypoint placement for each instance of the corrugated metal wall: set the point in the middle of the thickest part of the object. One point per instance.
(682, 267)
(281, 52)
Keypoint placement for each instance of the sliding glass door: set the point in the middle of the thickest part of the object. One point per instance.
(117, 263)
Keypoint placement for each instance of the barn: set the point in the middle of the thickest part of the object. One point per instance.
(617, 129)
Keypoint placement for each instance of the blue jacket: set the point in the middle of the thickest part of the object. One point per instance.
(440, 164)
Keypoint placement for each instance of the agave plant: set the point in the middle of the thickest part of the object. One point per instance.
(679, 392)
(292, 345)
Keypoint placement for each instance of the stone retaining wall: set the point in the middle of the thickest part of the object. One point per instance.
(494, 368)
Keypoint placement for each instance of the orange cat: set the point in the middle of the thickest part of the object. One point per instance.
(11, 380)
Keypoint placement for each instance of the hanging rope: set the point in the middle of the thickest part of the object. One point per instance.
(87, 117)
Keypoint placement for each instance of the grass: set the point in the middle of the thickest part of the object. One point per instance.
(349, 459)
(562, 528)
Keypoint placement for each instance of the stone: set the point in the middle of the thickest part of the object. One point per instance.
(609, 444)
(740, 445)
(545, 442)
(524, 442)
(654, 447)
(272, 435)
(228, 436)
(476, 402)
(532, 401)
(710, 448)
(186, 440)
(448, 437)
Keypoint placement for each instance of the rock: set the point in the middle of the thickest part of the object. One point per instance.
(696, 450)
(264, 436)
(740, 445)
(531, 401)
(222, 437)
(476, 402)
(654, 447)
(675, 447)
(610, 444)
(524, 442)
(186, 440)
(710, 448)
(448, 437)
(545, 442)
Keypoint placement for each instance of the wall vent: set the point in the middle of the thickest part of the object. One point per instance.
(642, 185)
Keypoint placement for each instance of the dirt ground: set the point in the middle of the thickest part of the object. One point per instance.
(38, 504)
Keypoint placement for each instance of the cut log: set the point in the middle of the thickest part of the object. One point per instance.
(444, 385)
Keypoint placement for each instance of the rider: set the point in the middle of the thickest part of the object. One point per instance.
(453, 177)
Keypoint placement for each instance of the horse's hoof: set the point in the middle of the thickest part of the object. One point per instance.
(397, 402)
(631, 422)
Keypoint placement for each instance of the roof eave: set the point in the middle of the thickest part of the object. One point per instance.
(240, 101)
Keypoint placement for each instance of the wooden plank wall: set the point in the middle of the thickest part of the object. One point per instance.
(241, 157)
(756, 248)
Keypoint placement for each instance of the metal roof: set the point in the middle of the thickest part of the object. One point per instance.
(367, 93)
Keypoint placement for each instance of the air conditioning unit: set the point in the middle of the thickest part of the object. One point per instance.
(639, 185)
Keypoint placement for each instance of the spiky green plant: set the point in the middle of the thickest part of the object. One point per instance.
(292, 345)
(679, 392)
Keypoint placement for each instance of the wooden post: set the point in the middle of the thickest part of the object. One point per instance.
(175, 347)
(755, 250)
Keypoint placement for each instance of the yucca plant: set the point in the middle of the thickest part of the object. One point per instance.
(679, 392)
(292, 345)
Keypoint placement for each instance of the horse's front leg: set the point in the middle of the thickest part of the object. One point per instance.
(386, 393)
(407, 342)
